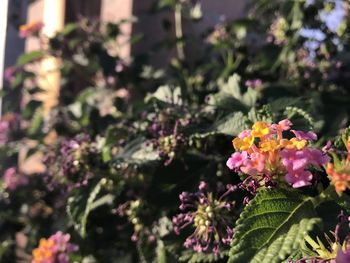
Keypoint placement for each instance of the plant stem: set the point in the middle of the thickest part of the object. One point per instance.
(178, 32)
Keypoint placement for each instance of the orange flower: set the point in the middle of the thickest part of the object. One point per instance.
(268, 146)
(30, 28)
(52, 249)
(44, 253)
(340, 180)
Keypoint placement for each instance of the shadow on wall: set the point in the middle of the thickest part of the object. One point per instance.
(151, 26)
(17, 15)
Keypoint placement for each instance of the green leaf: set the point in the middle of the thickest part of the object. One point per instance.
(80, 206)
(291, 112)
(285, 245)
(190, 256)
(166, 3)
(161, 252)
(272, 227)
(196, 12)
(138, 151)
(329, 194)
(36, 121)
(69, 28)
(224, 102)
(29, 57)
(230, 95)
(232, 87)
(167, 94)
(5, 248)
(232, 124)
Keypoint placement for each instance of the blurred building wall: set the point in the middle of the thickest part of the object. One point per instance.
(149, 25)
(16, 15)
(14, 46)
(114, 11)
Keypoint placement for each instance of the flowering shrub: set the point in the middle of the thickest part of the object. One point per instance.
(128, 159)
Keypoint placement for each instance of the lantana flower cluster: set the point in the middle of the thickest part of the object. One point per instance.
(166, 137)
(210, 216)
(71, 166)
(339, 170)
(30, 29)
(265, 154)
(55, 249)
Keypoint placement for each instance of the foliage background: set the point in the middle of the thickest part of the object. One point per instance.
(146, 134)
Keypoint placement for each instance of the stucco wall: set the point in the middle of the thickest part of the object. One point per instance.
(148, 24)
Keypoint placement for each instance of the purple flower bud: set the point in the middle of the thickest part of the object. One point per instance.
(305, 135)
(151, 238)
(134, 237)
(327, 147)
(246, 200)
(203, 186)
(184, 196)
(343, 256)
(198, 248)
(231, 187)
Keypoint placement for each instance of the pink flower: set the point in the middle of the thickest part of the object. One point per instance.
(236, 160)
(122, 93)
(254, 165)
(259, 161)
(244, 134)
(305, 135)
(9, 74)
(293, 160)
(4, 132)
(54, 249)
(12, 179)
(9, 123)
(317, 157)
(61, 241)
(254, 83)
(120, 66)
(248, 168)
(283, 125)
(63, 258)
(299, 178)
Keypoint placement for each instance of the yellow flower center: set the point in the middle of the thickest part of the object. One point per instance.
(268, 146)
(260, 129)
(243, 144)
(299, 144)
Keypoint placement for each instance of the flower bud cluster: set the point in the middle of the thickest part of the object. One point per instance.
(71, 165)
(210, 217)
